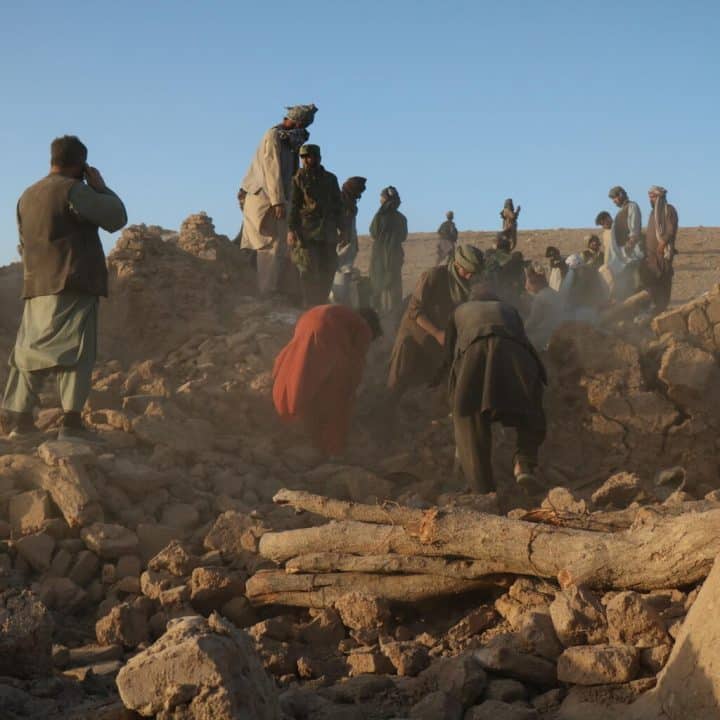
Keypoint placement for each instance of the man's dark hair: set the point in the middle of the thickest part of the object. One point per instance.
(372, 319)
(551, 251)
(68, 151)
(602, 216)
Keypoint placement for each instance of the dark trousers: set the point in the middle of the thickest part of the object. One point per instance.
(473, 442)
(316, 281)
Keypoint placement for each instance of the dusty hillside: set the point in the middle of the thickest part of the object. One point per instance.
(114, 560)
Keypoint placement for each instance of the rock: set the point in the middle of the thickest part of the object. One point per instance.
(538, 637)
(60, 565)
(128, 566)
(561, 499)
(408, 658)
(578, 617)
(472, 624)
(153, 584)
(175, 559)
(462, 677)
(689, 685)
(72, 491)
(506, 690)
(207, 665)
(692, 377)
(362, 612)
(239, 611)
(598, 664)
(85, 568)
(61, 594)
(60, 452)
(36, 550)
(110, 541)
(508, 661)
(671, 321)
(212, 587)
(368, 661)
(93, 654)
(654, 658)
(235, 535)
(26, 629)
(29, 511)
(182, 516)
(437, 705)
(634, 622)
(153, 538)
(618, 490)
(325, 628)
(497, 710)
(126, 624)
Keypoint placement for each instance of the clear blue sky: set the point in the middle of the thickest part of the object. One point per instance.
(458, 104)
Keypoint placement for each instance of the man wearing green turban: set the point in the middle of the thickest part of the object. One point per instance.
(418, 351)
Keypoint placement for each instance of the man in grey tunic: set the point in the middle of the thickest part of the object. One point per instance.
(64, 275)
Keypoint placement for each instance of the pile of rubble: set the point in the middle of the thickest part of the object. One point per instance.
(154, 574)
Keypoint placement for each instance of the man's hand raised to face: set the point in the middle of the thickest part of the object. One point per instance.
(94, 179)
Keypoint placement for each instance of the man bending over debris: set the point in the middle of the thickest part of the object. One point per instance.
(495, 376)
(318, 372)
(64, 275)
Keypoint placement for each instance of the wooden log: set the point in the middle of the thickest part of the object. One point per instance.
(656, 552)
(392, 564)
(276, 587)
(389, 513)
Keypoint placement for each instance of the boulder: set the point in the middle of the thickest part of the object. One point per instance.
(126, 624)
(462, 677)
(26, 629)
(508, 661)
(212, 587)
(110, 541)
(208, 666)
(578, 617)
(29, 511)
(36, 550)
(497, 710)
(598, 664)
(633, 621)
(437, 705)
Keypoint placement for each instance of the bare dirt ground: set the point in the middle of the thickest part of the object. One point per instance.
(697, 267)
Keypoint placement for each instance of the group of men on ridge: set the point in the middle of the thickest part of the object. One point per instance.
(463, 321)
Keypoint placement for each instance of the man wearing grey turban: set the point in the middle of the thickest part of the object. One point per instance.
(657, 271)
(266, 191)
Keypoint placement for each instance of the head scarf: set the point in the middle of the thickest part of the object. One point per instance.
(354, 186)
(660, 209)
(574, 261)
(449, 214)
(391, 197)
(509, 204)
(294, 137)
(470, 259)
(616, 191)
(303, 114)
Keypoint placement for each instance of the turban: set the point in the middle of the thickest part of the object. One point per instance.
(449, 214)
(310, 150)
(303, 114)
(391, 197)
(469, 258)
(657, 190)
(574, 261)
(616, 191)
(354, 186)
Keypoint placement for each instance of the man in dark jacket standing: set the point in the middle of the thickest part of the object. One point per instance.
(496, 376)
(315, 226)
(64, 275)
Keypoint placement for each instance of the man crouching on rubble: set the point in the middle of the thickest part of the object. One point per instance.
(495, 376)
(64, 275)
(317, 374)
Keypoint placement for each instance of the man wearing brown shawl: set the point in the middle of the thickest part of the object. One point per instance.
(509, 215)
(660, 248)
(418, 351)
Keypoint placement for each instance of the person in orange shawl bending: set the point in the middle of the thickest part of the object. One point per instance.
(318, 372)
